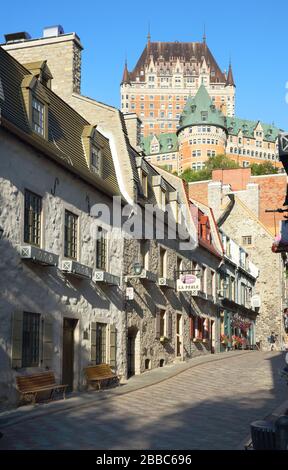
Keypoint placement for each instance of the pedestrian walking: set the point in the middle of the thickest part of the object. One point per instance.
(272, 341)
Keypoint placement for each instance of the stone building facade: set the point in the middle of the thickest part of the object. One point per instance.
(237, 219)
(64, 302)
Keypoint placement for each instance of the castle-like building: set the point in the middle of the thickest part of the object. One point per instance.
(186, 106)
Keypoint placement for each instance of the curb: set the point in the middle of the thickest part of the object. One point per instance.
(60, 407)
(280, 410)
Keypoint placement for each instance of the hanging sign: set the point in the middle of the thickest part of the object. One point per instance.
(129, 293)
(189, 283)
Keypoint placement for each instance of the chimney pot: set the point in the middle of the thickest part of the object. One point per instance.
(52, 31)
(16, 37)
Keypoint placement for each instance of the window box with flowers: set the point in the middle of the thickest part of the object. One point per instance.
(237, 342)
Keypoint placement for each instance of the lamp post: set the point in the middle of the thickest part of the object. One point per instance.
(137, 268)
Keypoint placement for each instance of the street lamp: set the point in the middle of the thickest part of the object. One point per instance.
(137, 268)
(221, 293)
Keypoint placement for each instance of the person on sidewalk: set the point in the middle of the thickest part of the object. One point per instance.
(272, 341)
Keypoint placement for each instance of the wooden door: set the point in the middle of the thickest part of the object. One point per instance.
(69, 325)
(131, 355)
(212, 332)
(179, 335)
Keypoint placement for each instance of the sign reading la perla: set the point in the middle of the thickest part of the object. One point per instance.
(189, 283)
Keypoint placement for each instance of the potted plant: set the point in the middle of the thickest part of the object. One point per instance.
(224, 341)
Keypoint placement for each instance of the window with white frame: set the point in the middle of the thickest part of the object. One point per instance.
(163, 263)
(101, 249)
(96, 160)
(38, 113)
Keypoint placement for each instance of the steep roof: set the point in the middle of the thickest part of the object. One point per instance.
(216, 239)
(171, 51)
(168, 142)
(179, 184)
(230, 78)
(201, 110)
(65, 127)
(235, 125)
(125, 78)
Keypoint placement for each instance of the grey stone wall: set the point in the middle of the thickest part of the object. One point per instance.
(29, 287)
(269, 283)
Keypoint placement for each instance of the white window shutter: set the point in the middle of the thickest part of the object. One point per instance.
(48, 342)
(17, 337)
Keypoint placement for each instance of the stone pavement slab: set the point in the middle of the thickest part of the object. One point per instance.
(207, 406)
(137, 382)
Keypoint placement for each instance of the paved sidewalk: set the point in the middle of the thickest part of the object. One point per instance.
(83, 399)
(206, 403)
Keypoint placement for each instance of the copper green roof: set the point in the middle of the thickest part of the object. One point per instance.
(167, 143)
(235, 125)
(201, 110)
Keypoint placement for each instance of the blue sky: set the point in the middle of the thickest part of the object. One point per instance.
(253, 33)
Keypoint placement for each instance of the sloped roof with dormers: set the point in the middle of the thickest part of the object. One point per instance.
(168, 52)
(65, 126)
(235, 125)
(168, 142)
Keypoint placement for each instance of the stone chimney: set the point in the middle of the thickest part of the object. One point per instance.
(215, 197)
(133, 126)
(61, 51)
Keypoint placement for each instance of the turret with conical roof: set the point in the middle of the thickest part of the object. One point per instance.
(126, 78)
(201, 110)
(202, 132)
(230, 78)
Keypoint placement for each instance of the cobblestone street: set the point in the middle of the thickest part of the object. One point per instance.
(205, 407)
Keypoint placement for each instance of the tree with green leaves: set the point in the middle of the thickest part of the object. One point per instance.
(213, 163)
(265, 168)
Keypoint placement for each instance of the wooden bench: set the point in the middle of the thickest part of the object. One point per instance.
(30, 385)
(100, 373)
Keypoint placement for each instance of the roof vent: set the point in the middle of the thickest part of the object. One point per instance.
(52, 31)
(15, 37)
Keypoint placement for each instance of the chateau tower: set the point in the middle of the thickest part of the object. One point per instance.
(165, 75)
(202, 132)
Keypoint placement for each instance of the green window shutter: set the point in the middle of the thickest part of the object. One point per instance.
(93, 342)
(170, 320)
(157, 323)
(17, 337)
(112, 346)
(47, 341)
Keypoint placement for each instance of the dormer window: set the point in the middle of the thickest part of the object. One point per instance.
(163, 199)
(96, 159)
(144, 183)
(38, 109)
(204, 116)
